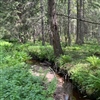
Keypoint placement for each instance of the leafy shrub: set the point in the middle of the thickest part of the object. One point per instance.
(64, 59)
(42, 52)
(10, 55)
(12, 58)
(94, 61)
(5, 46)
(4, 43)
(88, 80)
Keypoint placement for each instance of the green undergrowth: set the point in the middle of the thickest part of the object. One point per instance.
(85, 68)
(81, 62)
(42, 52)
(16, 82)
(10, 56)
(87, 78)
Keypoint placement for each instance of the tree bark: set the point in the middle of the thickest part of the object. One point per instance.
(42, 22)
(79, 36)
(54, 28)
(69, 23)
(65, 24)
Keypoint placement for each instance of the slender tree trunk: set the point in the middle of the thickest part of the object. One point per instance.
(69, 22)
(60, 26)
(42, 22)
(79, 37)
(65, 25)
(81, 22)
(54, 28)
(34, 35)
(78, 24)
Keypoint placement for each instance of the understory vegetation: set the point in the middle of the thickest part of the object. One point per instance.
(83, 65)
(16, 82)
(81, 62)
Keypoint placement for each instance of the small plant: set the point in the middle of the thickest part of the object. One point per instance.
(64, 59)
(52, 87)
(4, 43)
(94, 61)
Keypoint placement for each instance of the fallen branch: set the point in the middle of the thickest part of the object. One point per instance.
(79, 19)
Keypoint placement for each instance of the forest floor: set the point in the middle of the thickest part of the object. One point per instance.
(80, 63)
(38, 69)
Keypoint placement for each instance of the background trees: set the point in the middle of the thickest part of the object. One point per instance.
(76, 21)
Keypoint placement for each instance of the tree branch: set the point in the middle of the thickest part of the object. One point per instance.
(79, 19)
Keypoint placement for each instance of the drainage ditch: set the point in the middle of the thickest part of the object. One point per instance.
(65, 90)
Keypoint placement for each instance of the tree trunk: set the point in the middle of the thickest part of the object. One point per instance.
(42, 22)
(69, 23)
(33, 35)
(65, 24)
(54, 28)
(79, 37)
(81, 22)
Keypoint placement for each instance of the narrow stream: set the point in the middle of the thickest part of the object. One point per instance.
(75, 94)
(62, 85)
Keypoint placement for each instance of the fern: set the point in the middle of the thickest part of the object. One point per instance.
(94, 61)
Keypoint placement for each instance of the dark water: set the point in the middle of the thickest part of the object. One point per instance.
(78, 96)
(75, 93)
